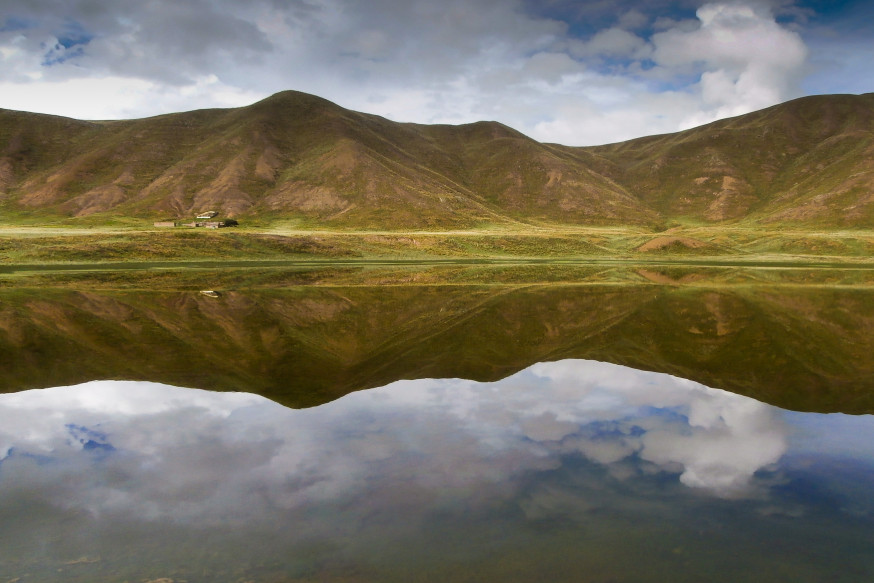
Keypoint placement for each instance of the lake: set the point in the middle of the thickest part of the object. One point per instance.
(409, 425)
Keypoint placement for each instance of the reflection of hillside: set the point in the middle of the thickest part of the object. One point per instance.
(800, 349)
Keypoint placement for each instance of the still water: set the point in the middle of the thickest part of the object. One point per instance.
(574, 470)
(550, 465)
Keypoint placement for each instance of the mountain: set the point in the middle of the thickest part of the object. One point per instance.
(807, 161)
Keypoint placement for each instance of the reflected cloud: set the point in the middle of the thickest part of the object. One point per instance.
(155, 451)
(581, 443)
(608, 413)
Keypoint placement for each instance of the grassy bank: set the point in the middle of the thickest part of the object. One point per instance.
(40, 245)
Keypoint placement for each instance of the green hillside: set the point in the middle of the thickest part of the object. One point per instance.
(809, 161)
(296, 156)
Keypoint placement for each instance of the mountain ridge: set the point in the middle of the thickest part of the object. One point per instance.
(809, 161)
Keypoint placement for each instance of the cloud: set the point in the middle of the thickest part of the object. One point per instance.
(726, 443)
(547, 427)
(633, 19)
(120, 97)
(734, 59)
(749, 61)
(170, 42)
(186, 454)
(716, 440)
(613, 42)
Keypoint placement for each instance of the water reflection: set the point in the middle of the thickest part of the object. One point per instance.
(801, 348)
(566, 469)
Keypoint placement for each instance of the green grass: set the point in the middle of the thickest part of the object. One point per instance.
(131, 241)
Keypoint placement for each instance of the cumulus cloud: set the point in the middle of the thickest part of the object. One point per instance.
(732, 59)
(186, 454)
(749, 61)
(726, 443)
(716, 440)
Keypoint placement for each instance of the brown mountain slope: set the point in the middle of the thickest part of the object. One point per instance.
(806, 161)
(299, 155)
(296, 155)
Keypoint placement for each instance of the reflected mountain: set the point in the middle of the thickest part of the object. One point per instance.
(797, 347)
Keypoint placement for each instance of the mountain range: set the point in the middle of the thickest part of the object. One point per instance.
(807, 162)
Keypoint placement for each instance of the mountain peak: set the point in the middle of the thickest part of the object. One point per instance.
(291, 98)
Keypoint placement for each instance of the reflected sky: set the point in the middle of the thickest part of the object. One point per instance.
(564, 468)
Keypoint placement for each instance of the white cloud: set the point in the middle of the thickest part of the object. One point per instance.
(603, 114)
(177, 440)
(742, 58)
(728, 440)
(749, 60)
(119, 97)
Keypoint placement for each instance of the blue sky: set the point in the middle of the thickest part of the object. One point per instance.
(565, 71)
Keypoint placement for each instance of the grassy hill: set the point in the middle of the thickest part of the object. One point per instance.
(297, 156)
(809, 161)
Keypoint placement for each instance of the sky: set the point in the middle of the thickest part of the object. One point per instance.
(572, 72)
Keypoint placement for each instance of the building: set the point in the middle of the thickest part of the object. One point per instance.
(210, 224)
